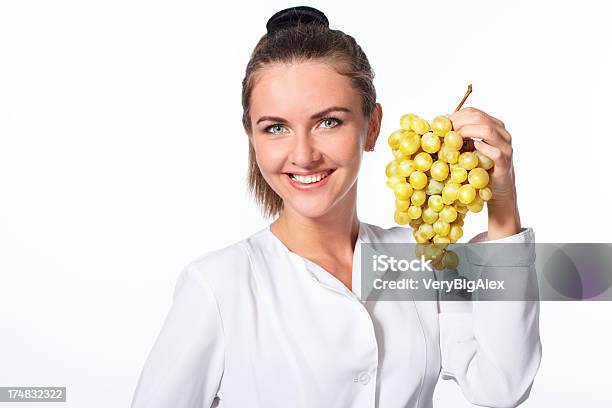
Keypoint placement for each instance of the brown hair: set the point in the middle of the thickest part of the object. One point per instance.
(301, 43)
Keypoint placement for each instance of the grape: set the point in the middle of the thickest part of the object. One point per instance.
(437, 263)
(452, 157)
(429, 215)
(405, 168)
(460, 207)
(418, 197)
(478, 177)
(450, 192)
(423, 161)
(456, 232)
(450, 260)
(427, 230)
(435, 203)
(394, 139)
(468, 160)
(466, 194)
(420, 238)
(410, 143)
(439, 239)
(485, 161)
(391, 168)
(433, 252)
(453, 141)
(403, 191)
(442, 153)
(430, 142)
(401, 217)
(485, 193)
(441, 125)
(414, 211)
(420, 126)
(418, 180)
(441, 227)
(439, 170)
(434, 187)
(476, 205)
(394, 180)
(448, 214)
(415, 223)
(458, 174)
(398, 154)
(401, 205)
(406, 120)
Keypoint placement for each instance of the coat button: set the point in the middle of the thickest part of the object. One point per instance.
(364, 378)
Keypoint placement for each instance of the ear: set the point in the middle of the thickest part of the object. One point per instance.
(374, 126)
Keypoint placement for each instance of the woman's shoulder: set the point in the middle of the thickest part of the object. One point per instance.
(228, 264)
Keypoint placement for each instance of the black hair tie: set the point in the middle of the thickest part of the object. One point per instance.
(291, 16)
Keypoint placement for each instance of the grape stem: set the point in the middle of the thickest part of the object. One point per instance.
(469, 91)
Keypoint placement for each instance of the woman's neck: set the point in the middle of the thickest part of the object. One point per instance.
(329, 237)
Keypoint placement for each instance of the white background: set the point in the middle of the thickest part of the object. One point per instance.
(122, 150)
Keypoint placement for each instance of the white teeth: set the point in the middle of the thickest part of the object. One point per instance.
(310, 179)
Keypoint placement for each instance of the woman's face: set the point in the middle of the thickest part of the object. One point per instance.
(309, 134)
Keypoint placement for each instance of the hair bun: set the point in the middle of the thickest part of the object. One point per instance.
(293, 15)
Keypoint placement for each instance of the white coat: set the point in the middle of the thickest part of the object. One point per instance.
(256, 325)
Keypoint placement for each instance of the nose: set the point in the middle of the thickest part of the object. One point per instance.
(303, 152)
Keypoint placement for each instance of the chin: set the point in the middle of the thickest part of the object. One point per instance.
(310, 210)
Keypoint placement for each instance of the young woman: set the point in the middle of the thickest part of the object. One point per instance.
(276, 319)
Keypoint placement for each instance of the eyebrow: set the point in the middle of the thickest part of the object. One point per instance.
(315, 116)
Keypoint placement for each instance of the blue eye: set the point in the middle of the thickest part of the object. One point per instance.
(338, 121)
(270, 127)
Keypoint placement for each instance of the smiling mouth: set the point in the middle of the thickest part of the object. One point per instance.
(311, 178)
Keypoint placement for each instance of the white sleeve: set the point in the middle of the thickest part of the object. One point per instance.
(492, 349)
(185, 366)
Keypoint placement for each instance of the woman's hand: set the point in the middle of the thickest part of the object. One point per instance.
(496, 143)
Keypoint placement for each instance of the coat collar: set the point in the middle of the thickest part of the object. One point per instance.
(322, 276)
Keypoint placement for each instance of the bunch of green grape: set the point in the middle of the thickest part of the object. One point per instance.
(435, 183)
